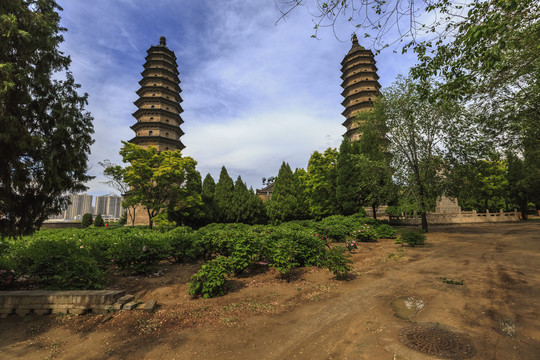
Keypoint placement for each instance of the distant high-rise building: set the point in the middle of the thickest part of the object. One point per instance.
(158, 115)
(80, 205)
(360, 87)
(110, 207)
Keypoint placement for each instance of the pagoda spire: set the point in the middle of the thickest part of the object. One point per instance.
(360, 86)
(158, 114)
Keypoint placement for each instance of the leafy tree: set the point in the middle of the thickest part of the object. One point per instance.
(86, 220)
(223, 197)
(160, 180)
(419, 131)
(98, 221)
(348, 175)
(320, 182)
(45, 133)
(524, 180)
(288, 201)
(375, 182)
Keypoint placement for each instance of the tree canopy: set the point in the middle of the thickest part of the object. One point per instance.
(45, 132)
(161, 180)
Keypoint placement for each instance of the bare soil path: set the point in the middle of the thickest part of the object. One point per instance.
(313, 316)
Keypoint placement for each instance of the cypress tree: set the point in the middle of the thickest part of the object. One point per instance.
(223, 197)
(288, 201)
(209, 206)
(98, 222)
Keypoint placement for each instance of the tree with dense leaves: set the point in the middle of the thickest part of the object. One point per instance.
(288, 201)
(98, 221)
(247, 207)
(161, 180)
(348, 196)
(87, 220)
(375, 182)
(45, 132)
(320, 182)
(209, 206)
(223, 197)
(420, 133)
(524, 180)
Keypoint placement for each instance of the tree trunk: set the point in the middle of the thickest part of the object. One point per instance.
(524, 211)
(424, 221)
(374, 208)
(149, 219)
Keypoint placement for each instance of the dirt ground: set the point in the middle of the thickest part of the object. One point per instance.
(313, 316)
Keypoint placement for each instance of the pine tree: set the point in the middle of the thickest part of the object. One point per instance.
(288, 199)
(223, 197)
(86, 220)
(240, 201)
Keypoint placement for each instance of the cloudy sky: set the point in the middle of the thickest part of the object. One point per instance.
(255, 93)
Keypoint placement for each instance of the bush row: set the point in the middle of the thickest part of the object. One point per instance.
(79, 259)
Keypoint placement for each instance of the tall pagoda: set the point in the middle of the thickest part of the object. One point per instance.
(360, 86)
(158, 115)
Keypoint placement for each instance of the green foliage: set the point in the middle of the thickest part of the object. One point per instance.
(288, 200)
(335, 227)
(183, 246)
(223, 198)
(60, 262)
(87, 220)
(283, 256)
(139, 251)
(45, 130)
(452, 282)
(348, 175)
(411, 238)
(211, 279)
(339, 262)
(385, 231)
(366, 233)
(320, 183)
(161, 180)
(306, 246)
(209, 206)
(98, 222)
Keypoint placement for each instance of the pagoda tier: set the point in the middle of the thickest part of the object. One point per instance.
(360, 87)
(158, 106)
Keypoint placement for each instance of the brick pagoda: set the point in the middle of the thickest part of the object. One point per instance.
(360, 86)
(158, 115)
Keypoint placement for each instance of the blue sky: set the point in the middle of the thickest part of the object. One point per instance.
(254, 93)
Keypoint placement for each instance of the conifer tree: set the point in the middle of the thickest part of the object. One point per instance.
(209, 206)
(223, 197)
(288, 201)
(348, 175)
(320, 183)
(240, 202)
(98, 222)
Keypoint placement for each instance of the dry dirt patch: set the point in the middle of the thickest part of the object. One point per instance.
(313, 316)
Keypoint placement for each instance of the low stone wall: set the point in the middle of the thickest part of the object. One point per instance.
(76, 302)
(459, 218)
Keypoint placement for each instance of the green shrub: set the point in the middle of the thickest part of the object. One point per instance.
(182, 243)
(58, 263)
(385, 231)
(335, 227)
(366, 233)
(211, 279)
(86, 220)
(98, 221)
(308, 248)
(140, 250)
(339, 262)
(411, 238)
(283, 256)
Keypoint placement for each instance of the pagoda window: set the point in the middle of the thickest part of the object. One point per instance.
(167, 121)
(167, 134)
(151, 118)
(152, 107)
(150, 133)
